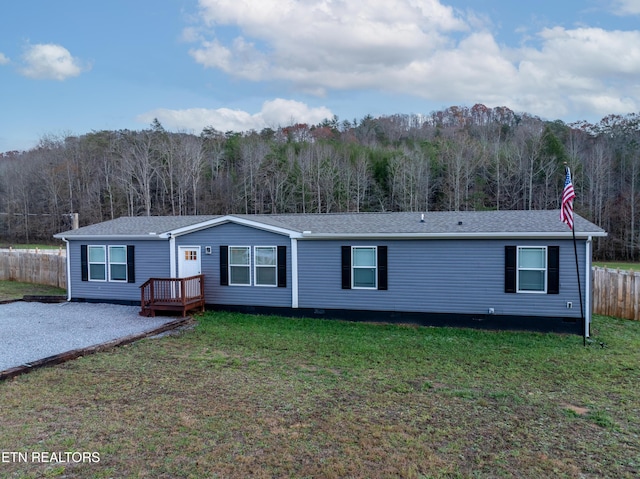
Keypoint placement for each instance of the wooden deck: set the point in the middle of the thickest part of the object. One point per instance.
(172, 294)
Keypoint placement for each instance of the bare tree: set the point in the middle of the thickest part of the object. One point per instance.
(138, 169)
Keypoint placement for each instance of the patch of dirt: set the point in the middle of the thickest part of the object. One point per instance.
(581, 411)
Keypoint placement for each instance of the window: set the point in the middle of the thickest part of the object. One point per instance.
(532, 269)
(265, 266)
(240, 265)
(112, 263)
(117, 263)
(269, 266)
(97, 263)
(364, 267)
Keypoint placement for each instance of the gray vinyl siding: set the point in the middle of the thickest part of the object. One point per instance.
(440, 276)
(231, 234)
(151, 260)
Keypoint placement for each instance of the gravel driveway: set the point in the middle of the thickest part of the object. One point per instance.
(33, 331)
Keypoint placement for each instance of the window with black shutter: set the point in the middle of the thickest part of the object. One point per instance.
(114, 263)
(269, 263)
(532, 269)
(364, 267)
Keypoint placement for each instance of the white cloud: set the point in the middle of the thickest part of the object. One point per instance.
(51, 62)
(212, 54)
(322, 43)
(585, 70)
(3, 59)
(278, 112)
(421, 48)
(626, 7)
(592, 51)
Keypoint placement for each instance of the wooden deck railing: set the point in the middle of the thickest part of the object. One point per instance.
(172, 294)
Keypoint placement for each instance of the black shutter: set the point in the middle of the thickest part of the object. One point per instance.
(282, 266)
(509, 269)
(84, 264)
(382, 267)
(224, 265)
(553, 270)
(131, 264)
(346, 267)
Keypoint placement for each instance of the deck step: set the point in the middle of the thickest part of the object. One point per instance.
(172, 294)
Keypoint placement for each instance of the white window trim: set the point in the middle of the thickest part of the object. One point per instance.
(239, 265)
(545, 269)
(274, 266)
(353, 267)
(109, 263)
(105, 263)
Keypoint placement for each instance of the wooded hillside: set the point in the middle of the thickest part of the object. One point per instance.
(457, 159)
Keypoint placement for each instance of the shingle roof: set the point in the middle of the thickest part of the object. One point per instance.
(437, 222)
(138, 226)
(463, 223)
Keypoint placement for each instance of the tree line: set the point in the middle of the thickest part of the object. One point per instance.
(459, 158)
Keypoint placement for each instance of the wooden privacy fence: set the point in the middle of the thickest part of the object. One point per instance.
(39, 268)
(616, 293)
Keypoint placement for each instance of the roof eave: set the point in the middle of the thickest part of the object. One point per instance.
(231, 219)
(489, 235)
(103, 237)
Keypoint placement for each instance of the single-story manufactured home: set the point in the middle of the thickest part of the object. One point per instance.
(490, 269)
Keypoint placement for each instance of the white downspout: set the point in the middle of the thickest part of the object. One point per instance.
(68, 264)
(294, 273)
(587, 286)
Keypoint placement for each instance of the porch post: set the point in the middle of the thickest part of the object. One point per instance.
(172, 257)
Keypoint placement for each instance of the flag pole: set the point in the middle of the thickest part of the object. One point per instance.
(566, 215)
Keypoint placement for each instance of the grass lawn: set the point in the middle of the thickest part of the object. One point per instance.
(31, 245)
(16, 290)
(249, 396)
(617, 265)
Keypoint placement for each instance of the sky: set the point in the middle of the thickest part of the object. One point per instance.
(69, 67)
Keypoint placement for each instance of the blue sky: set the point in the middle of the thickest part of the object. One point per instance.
(75, 66)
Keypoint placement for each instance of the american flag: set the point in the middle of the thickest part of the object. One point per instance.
(568, 195)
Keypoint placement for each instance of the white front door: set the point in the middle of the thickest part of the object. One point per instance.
(188, 261)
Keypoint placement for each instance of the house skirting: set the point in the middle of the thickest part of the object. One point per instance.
(476, 321)
(543, 324)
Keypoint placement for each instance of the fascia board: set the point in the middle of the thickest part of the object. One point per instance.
(149, 237)
(266, 227)
(231, 219)
(191, 228)
(519, 235)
